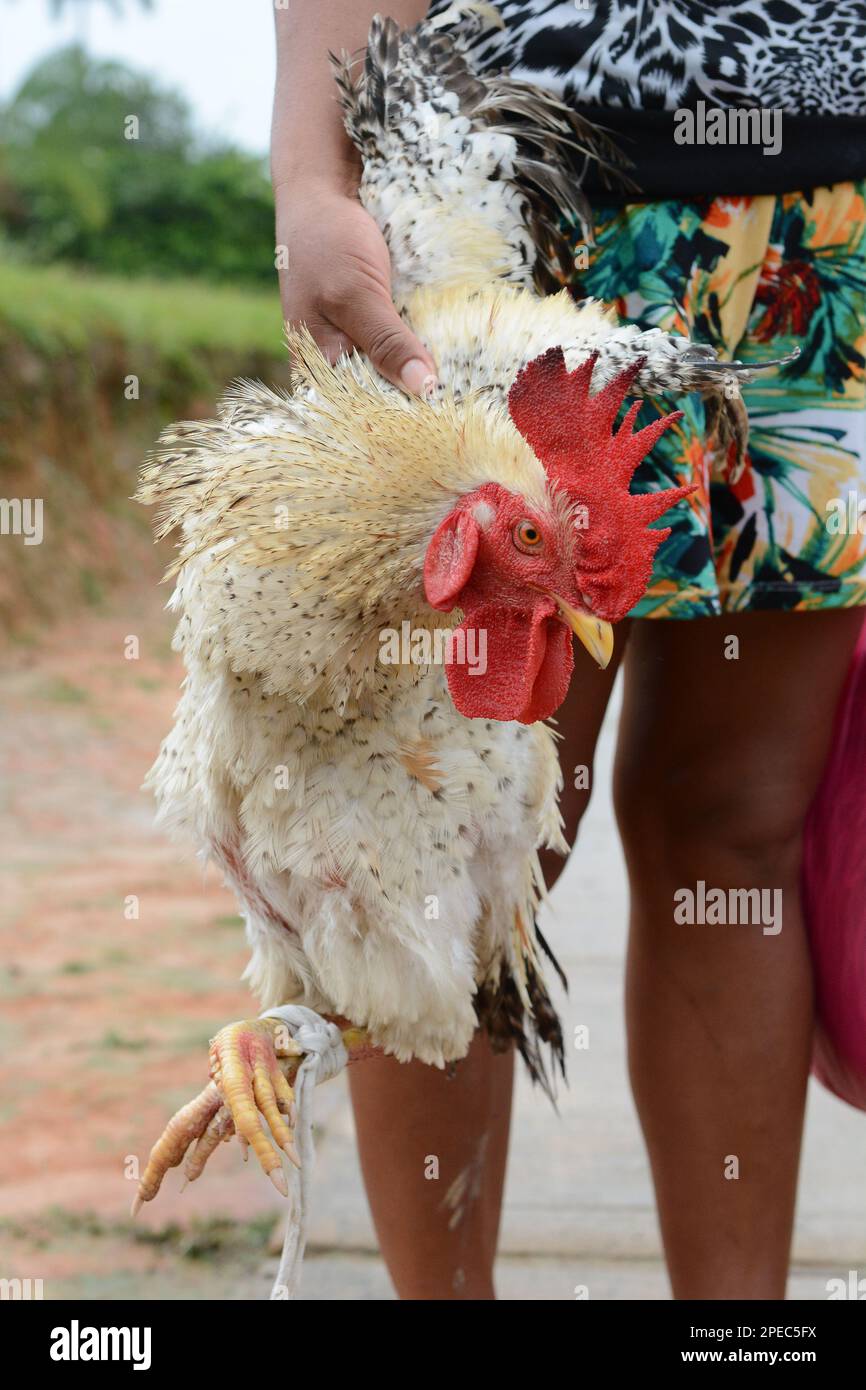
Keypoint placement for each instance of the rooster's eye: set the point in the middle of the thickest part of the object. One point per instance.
(527, 537)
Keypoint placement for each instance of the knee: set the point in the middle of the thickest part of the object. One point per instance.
(701, 816)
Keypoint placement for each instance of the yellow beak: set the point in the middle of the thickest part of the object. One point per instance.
(594, 633)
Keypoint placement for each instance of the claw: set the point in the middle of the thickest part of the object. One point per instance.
(252, 1066)
(220, 1128)
(188, 1124)
(245, 1067)
(745, 369)
(278, 1178)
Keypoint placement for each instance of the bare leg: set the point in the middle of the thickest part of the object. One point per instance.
(419, 1132)
(578, 721)
(407, 1114)
(717, 763)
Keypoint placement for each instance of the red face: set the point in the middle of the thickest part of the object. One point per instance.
(515, 572)
(522, 578)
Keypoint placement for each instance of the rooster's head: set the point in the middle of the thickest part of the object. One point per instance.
(314, 523)
(528, 575)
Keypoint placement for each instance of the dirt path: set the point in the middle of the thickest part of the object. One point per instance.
(106, 1017)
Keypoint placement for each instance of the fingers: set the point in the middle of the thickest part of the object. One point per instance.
(365, 319)
(337, 279)
(331, 342)
(334, 345)
(375, 327)
(372, 325)
(188, 1124)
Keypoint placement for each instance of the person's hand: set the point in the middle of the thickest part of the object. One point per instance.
(338, 282)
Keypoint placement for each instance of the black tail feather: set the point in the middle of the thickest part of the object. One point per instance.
(507, 1023)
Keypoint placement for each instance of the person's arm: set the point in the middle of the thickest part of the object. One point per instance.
(338, 279)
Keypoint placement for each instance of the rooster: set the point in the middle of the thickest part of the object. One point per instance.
(380, 822)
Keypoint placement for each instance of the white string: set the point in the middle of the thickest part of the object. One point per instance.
(324, 1056)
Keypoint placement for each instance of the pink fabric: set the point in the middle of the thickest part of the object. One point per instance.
(834, 889)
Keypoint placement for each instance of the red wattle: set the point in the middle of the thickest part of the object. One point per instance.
(529, 664)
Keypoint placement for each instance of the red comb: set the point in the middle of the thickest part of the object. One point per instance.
(572, 434)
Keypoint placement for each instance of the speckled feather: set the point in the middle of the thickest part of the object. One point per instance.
(383, 847)
(347, 800)
(475, 179)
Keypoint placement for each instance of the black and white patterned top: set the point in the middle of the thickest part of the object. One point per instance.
(802, 56)
(632, 65)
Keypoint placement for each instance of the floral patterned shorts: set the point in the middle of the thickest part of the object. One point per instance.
(754, 276)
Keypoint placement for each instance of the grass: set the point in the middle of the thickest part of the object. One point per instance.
(61, 308)
(213, 1259)
(115, 1042)
(60, 691)
(200, 1238)
(70, 342)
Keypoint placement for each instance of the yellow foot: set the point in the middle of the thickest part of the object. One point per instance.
(248, 1066)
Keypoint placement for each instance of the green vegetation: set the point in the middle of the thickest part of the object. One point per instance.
(136, 280)
(63, 692)
(201, 1236)
(73, 433)
(102, 167)
(56, 309)
(103, 1258)
(115, 1042)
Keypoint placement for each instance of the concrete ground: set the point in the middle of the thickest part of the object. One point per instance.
(579, 1206)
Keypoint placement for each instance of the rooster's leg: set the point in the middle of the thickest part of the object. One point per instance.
(252, 1067)
(671, 365)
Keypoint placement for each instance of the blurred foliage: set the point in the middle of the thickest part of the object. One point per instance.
(55, 311)
(73, 187)
(71, 343)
